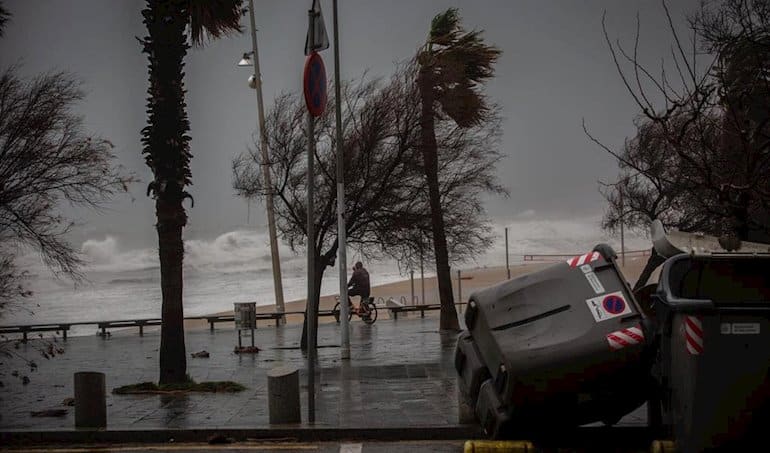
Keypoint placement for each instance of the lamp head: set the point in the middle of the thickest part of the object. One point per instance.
(245, 60)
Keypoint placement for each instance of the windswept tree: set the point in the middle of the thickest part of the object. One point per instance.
(47, 161)
(701, 156)
(171, 24)
(453, 65)
(383, 177)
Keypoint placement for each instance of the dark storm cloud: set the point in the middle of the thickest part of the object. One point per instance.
(555, 70)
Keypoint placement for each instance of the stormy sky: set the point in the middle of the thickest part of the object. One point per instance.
(555, 72)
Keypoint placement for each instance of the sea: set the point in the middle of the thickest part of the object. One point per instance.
(124, 283)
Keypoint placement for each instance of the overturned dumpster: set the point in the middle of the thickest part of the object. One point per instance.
(561, 347)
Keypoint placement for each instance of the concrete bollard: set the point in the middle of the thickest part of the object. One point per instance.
(90, 402)
(283, 395)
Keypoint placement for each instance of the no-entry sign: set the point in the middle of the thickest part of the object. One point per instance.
(314, 84)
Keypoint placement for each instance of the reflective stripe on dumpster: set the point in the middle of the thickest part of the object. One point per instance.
(583, 259)
(627, 337)
(693, 333)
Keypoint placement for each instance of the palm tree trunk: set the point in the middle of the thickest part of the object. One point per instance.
(167, 153)
(173, 357)
(448, 319)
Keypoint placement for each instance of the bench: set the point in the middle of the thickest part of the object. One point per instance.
(24, 330)
(395, 309)
(104, 325)
(277, 316)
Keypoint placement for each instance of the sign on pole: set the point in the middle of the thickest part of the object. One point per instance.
(314, 84)
(319, 39)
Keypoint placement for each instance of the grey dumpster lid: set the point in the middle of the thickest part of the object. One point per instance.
(691, 281)
(673, 242)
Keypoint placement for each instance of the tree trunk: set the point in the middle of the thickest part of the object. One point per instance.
(167, 152)
(315, 300)
(448, 320)
(653, 263)
(173, 357)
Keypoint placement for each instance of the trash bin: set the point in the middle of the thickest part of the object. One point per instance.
(714, 357)
(563, 346)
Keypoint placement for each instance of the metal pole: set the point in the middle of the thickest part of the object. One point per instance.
(311, 311)
(277, 281)
(507, 265)
(422, 279)
(341, 228)
(622, 236)
(459, 286)
(411, 283)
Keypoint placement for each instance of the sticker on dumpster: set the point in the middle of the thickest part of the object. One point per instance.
(740, 328)
(624, 338)
(608, 306)
(593, 280)
(583, 259)
(693, 334)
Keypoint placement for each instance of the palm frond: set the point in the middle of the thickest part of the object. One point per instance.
(444, 24)
(213, 19)
(463, 105)
(459, 61)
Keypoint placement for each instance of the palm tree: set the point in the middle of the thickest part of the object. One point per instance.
(166, 146)
(453, 64)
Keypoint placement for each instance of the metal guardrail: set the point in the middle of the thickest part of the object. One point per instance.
(548, 258)
(64, 327)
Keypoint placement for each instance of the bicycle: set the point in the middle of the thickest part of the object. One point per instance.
(367, 312)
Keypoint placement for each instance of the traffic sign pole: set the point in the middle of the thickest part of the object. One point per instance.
(314, 81)
(311, 310)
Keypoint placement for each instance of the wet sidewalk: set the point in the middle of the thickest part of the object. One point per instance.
(401, 374)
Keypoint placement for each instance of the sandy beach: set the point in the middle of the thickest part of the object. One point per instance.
(471, 280)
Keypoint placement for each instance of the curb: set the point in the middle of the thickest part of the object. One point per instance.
(30, 437)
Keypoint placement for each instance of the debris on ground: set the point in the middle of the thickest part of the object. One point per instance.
(49, 413)
(218, 439)
(68, 402)
(200, 355)
(246, 350)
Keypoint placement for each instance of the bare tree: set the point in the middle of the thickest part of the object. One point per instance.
(46, 159)
(467, 159)
(383, 179)
(701, 155)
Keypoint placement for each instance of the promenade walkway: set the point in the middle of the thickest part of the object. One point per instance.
(401, 374)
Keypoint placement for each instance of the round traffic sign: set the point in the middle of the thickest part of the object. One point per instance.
(314, 84)
(614, 305)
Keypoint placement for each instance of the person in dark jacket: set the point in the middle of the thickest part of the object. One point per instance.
(359, 282)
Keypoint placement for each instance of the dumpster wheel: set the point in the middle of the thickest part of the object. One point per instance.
(663, 446)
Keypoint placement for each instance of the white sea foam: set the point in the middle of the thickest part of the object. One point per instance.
(235, 267)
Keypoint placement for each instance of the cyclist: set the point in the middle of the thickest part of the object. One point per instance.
(359, 283)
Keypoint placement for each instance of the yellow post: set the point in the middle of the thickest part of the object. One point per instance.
(499, 446)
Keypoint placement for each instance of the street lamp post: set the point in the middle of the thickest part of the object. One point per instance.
(255, 81)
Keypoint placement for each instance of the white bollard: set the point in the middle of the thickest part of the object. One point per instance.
(283, 395)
